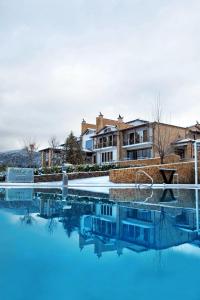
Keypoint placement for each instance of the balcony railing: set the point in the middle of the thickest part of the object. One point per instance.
(127, 142)
(105, 144)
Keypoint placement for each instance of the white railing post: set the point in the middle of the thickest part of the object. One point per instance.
(65, 179)
(197, 209)
(196, 162)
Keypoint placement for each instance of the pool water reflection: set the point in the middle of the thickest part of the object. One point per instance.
(70, 244)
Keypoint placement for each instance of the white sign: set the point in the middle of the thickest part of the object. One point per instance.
(20, 175)
(19, 194)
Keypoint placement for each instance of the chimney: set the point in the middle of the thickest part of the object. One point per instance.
(83, 126)
(120, 119)
(99, 122)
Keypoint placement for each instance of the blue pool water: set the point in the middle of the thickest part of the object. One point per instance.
(81, 245)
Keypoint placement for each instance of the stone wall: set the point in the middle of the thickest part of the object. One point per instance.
(172, 158)
(74, 175)
(185, 172)
(184, 197)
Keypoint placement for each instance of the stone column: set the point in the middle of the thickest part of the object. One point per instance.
(49, 158)
(120, 150)
(42, 159)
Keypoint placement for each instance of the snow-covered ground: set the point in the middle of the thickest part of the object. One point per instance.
(95, 184)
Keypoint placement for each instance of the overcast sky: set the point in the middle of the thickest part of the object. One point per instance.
(64, 60)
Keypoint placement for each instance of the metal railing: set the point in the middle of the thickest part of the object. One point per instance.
(105, 144)
(138, 185)
(146, 199)
(127, 142)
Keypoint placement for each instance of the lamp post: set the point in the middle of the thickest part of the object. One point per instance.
(196, 160)
(197, 209)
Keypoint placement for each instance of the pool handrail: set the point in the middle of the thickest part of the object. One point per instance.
(138, 185)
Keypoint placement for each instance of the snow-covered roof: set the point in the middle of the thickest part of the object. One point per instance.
(87, 150)
(184, 141)
(52, 148)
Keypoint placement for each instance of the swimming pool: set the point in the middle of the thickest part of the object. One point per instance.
(75, 244)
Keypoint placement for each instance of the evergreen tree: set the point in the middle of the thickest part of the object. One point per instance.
(73, 154)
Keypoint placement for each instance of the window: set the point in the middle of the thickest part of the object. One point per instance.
(132, 213)
(114, 140)
(100, 143)
(109, 228)
(144, 215)
(104, 141)
(145, 137)
(110, 156)
(132, 138)
(110, 140)
(146, 234)
(107, 130)
(106, 210)
(132, 155)
(137, 138)
(103, 226)
(137, 232)
(144, 153)
(88, 144)
(131, 231)
(106, 156)
(113, 228)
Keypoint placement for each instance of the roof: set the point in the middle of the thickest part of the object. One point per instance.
(183, 141)
(166, 124)
(118, 126)
(121, 126)
(194, 128)
(87, 150)
(102, 122)
(144, 121)
(51, 148)
(134, 126)
(86, 130)
(85, 126)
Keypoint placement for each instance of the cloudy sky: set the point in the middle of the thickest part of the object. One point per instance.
(63, 60)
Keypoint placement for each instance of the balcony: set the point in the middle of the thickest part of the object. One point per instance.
(141, 140)
(105, 145)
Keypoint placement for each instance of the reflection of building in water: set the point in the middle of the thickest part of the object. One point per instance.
(114, 227)
(19, 194)
(111, 226)
(50, 204)
(20, 200)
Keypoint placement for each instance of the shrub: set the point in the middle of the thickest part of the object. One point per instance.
(77, 168)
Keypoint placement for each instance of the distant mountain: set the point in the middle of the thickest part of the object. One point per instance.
(18, 158)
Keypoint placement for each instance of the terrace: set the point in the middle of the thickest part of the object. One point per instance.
(105, 141)
(137, 137)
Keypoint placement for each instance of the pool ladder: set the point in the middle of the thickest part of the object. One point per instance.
(138, 185)
(175, 178)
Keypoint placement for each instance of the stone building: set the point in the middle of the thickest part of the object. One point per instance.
(52, 156)
(115, 140)
(87, 132)
(184, 147)
(107, 141)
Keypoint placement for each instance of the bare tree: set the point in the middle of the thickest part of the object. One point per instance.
(52, 225)
(27, 219)
(30, 146)
(54, 143)
(162, 133)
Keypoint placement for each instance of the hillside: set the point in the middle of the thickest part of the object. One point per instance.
(18, 158)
